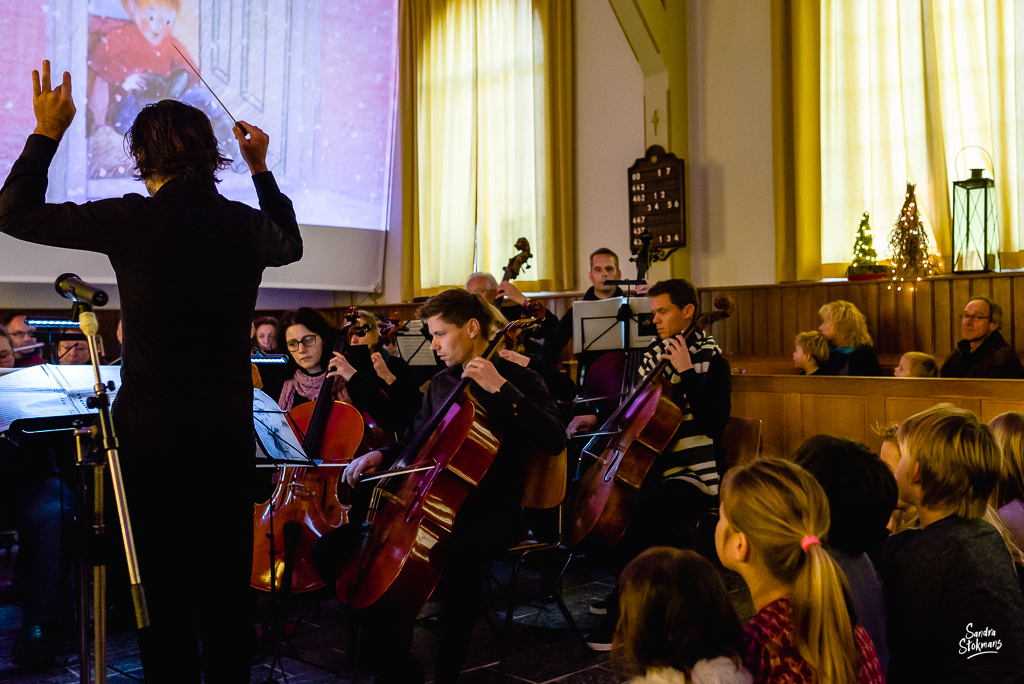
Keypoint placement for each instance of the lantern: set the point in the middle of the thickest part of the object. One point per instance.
(975, 234)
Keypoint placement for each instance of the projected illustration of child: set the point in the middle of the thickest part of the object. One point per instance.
(133, 63)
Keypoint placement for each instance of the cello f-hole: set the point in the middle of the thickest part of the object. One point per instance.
(609, 472)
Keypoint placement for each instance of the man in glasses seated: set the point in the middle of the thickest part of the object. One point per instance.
(982, 353)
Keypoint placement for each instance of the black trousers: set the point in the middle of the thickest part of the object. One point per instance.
(191, 512)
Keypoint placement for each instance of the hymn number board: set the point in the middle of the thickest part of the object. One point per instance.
(656, 200)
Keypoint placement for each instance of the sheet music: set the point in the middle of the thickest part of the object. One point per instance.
(275, 437)
(48, 391)
(413, 347)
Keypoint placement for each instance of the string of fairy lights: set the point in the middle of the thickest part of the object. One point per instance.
(912, 258)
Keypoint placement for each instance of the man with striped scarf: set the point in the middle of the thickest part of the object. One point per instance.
(682, 485)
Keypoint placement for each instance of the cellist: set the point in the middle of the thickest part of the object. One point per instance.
(683, 482)
(490, 519)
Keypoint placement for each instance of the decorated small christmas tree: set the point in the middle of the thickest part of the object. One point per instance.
(865, 259)
(911, 255)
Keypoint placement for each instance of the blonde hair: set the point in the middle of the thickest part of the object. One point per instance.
(851, 327)
(814, 345)
(886, 432)
(1008, 429)
(373, 330)
(776, 504)
(922, 365)
(958, 457)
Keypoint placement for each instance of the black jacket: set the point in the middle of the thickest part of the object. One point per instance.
(186, 256)
(994, 358)
(859, 361)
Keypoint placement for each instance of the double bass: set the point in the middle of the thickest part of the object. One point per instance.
(625, 447)
(412, 514)
(305, 504)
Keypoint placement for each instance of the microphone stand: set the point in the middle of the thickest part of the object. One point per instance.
(101, 434)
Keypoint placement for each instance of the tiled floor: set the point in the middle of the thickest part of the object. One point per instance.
(542, 649)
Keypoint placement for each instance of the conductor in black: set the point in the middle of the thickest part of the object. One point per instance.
(183, 414)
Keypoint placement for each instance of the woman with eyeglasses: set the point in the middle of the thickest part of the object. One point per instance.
(309, 339)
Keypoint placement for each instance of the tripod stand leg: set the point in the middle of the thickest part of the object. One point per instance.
(84, 655)
(99, 582)
(138, 595)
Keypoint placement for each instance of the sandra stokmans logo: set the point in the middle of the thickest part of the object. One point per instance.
(979, 642)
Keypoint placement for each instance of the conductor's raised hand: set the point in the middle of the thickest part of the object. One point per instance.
(54, 108)
(253, 147)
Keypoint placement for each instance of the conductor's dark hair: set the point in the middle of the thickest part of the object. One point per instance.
(174, 140)
(457, 307)
(680, 292)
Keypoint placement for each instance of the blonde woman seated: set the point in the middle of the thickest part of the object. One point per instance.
(811, 352)
(917, 365)
(846, 330)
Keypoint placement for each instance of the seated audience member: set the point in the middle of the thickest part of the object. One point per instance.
(862, 496)
(917, 365)
(956, 613)
(604, 266)
(846, 330)
(23, 335)
(905, 515)
(982, 353)
(73, 350)
(773, 516)
(486, 287)
(1009, 495)
(266, 335)
(6, 349)
(811, 352)
(676, 622)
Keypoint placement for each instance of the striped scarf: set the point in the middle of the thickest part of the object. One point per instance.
(691, 454)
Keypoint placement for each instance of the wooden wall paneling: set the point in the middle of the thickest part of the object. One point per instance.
(961, 294)
(886, 340)
(778, 341)
(868, 305)
(767, 407)
(759, 316)
(845, 416)
(1002, 294)
(923, 316)
(791, 316)
(1016, 310)
(837, 291)
(807, 310)
(981, 287)
(792, 403)
(942, 312)
(744, 313)
(990, 408)
(906, 321)
(725, 331)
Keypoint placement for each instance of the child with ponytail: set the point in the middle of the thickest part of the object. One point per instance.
(773, 517)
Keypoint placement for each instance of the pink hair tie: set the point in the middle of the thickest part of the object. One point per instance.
(809, 541)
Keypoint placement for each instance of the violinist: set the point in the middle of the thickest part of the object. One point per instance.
(682, 484)
(490, 519)
(388, 390)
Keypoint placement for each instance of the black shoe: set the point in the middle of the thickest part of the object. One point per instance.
(601, 638)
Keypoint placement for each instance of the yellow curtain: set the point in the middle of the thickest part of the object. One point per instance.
(796, 141)
(904, 85)
(491, 154)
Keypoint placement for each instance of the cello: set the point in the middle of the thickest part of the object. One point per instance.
(412, 514)
(304, 504)
(626, 447)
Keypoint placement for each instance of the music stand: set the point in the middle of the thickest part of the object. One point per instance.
(618, 323)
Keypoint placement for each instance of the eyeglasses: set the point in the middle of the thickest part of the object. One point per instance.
(974, 317)
(307, 341)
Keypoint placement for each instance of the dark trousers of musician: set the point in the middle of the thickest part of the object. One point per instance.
(191, 512)
(481, 533)
(40, 506)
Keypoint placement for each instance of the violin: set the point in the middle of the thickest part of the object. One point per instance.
(413, 512)
(305, 503)
(626, 447)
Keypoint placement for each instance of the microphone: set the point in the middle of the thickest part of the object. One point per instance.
(74, 288)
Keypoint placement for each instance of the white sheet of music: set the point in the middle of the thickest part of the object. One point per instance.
(46, 391)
